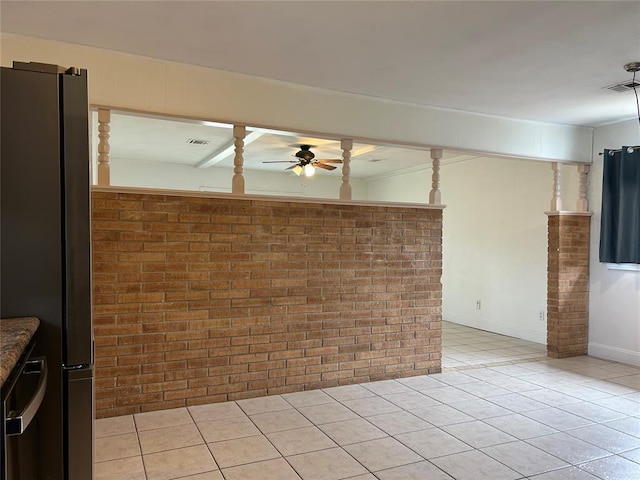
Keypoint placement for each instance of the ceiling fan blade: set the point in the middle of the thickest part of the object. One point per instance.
(282, 161)
(329, 160)
(291, 167)
(324, 166)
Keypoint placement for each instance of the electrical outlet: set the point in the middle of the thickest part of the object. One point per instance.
(478, 304)
(541, 315)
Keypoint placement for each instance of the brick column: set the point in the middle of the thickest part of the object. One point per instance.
(568, 284)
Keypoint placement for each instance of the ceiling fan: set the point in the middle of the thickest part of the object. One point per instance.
(307, 162)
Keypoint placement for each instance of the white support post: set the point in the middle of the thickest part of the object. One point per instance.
(582, 205)
(237, 185)
(434, 194)
(556, 199)
(345, 188)
(104, 149)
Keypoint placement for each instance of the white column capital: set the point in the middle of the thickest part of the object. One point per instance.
(239, 131)
(346, 143)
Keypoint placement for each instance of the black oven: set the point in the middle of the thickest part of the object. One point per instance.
(22, 394)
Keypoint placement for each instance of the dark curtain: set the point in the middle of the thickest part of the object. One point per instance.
(620, 223)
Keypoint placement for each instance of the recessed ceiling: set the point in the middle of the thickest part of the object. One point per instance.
(537, 60)
(147, 139)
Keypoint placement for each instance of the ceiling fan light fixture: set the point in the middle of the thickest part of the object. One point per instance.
(309, 170)
(297, 170)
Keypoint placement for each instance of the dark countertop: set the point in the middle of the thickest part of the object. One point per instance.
(15, 334)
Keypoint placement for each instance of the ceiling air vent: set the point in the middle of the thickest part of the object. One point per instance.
(196, 141)
(623, 86)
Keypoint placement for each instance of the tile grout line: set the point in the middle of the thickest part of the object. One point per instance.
(144, 465)
(337, 445)
(204, 441)
(564, 371)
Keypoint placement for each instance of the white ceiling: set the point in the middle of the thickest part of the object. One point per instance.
(545, 60)
(165, 140)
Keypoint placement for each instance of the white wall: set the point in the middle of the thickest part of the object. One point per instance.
(411, 185)
(142, 84)
(494, 238)
(614, 306)
(127, 173)
(130, 82)
(495, 245)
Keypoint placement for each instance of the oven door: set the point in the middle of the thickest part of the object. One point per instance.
(25, 389)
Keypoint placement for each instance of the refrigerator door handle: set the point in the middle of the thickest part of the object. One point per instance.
(17, 423)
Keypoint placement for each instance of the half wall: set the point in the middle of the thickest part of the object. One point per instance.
(202, 299)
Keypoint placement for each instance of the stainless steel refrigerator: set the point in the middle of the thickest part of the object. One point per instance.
(45, 257)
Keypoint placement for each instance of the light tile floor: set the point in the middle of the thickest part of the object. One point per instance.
(537, 419)
(465, 347)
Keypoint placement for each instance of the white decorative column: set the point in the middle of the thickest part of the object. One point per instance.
(104, 169)
(434, 194)
(582, 205)
(556, 199)
(345, 188)
(237, 185)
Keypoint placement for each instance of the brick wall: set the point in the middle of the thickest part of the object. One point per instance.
(568, 285)
(201, 300)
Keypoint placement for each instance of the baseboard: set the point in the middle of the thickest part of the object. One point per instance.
(616, 354)
(495, 327)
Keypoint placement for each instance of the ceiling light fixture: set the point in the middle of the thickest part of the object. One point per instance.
(309, 170)
(297, 170)
(635, 68)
